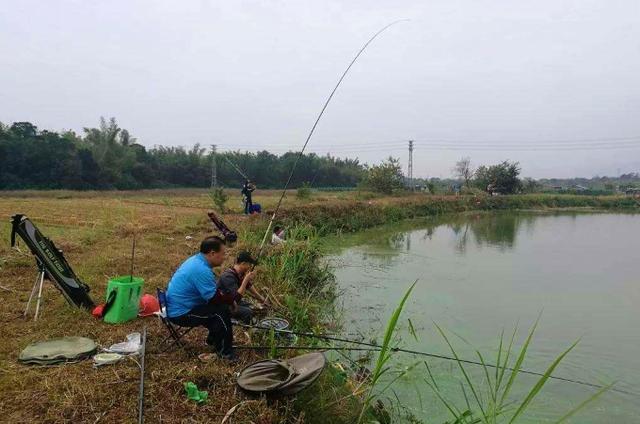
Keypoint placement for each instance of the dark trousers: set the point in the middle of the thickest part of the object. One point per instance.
(247, 205)
(217, 319)
(243, 312)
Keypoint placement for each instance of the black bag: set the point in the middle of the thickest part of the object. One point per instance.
(51, 259)
(230, 236)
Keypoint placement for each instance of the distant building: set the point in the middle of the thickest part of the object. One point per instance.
(578, 187)
(635, 192)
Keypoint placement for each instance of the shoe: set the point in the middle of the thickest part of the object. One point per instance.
(229, 357)
(207, 357)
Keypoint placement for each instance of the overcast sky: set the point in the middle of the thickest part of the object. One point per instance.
(550, 79)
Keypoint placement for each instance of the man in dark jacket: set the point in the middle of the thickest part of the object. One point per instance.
(247, 190)
(234, 283)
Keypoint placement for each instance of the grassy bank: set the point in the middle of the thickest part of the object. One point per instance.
(355, 215)
(95, 234)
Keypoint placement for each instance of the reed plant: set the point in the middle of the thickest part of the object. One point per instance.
(380, 369)
(489, 400)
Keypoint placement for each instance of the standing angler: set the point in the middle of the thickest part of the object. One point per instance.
(247, 189)
(190, 294)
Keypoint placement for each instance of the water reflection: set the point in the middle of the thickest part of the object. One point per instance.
(496, 230)
(490, 230)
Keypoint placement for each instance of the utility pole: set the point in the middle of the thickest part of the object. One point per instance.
(214, 168)
(410, 170)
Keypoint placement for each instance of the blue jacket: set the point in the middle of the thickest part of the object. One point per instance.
(193, 284)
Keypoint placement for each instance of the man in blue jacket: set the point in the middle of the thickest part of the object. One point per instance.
(190, 292)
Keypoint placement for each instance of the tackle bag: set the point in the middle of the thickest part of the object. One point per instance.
(228, 234)
(51, 259)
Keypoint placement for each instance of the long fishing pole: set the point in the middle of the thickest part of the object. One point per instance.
(372, 347)
(313, 128)
(141, 388)
(235, 167)
(133, 255)
(306, 334)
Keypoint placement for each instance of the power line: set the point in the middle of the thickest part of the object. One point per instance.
(459, 142)
(349, 148)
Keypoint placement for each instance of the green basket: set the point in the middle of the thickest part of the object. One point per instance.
(127, 302)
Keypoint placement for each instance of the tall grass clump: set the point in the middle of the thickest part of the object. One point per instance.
(219, 198)
(490, 400)
(302, 283)
(304, 191)
(380, 369)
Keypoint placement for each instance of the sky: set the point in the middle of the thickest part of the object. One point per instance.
(553, 84)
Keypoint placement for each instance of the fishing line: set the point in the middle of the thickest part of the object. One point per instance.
(235, 167)
(372, 347)
(313, 128)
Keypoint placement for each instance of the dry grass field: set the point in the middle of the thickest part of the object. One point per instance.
(95, 232)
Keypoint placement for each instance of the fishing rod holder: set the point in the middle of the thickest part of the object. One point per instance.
(42, 273)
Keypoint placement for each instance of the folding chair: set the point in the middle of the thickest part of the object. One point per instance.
(176, 332)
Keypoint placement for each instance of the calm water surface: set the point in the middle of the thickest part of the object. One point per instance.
(478, 274)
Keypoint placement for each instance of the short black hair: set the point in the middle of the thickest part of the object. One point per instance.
(211, 244)
(245, 257)
(277, 228)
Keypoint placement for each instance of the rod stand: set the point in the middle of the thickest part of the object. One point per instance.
(36, 286)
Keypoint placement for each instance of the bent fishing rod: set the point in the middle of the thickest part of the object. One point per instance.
(313, 128)
(236, 167)
(372, 347)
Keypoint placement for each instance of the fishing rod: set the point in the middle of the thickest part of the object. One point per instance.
(133, 255)
(235, 167)
(313, 128)
(431, 355)
(141, 388)
(372, 347)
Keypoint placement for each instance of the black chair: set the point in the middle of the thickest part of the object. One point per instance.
(176, 332)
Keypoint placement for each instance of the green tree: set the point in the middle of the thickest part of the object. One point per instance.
(529, 185)
(386, 177)
(109, 157)
(501, 178)
(219, 198)
(111, 151)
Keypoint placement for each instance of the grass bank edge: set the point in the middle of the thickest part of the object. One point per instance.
(355, 215)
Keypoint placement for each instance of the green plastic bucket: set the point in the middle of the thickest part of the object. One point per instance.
(127, 302)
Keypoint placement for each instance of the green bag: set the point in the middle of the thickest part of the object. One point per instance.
(126, 304)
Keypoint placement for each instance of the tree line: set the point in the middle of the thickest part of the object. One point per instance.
(108, 157)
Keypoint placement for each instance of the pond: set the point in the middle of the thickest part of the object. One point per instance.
(481, 273)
